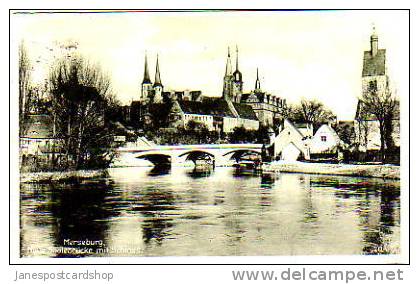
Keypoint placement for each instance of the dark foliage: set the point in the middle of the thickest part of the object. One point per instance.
(80, 97)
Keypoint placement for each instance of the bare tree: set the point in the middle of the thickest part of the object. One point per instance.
(310, 111)
(80, 95)
(382, 106)
(24, 86)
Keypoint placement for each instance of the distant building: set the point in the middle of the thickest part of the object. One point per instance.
(266, 106)
(38, 139)
(374, 78)
(215, 113)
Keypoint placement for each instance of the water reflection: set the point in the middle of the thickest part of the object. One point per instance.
(76, 214)
(377, 206)
(245, 172)
(153, 205)
(222, 211)
(160, 169)
(201, 172)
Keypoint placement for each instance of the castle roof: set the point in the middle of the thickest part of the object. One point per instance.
(245, 111)
(209, 106)
(374, 65)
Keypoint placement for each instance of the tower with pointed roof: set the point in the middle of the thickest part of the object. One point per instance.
(146, 85)
(157, 86)
(374, 71)
(228, 79)
(237, 84)
(257, 83)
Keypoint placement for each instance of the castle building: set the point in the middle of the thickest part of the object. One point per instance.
(233, 109)
(374, 79)
(266, 106)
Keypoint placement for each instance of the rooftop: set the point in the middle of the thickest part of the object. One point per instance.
(209, 106)
(374, 65)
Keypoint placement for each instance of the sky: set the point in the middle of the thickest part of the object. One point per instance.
(300, 54)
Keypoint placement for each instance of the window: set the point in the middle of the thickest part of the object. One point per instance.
(372, 86)
(323, 138)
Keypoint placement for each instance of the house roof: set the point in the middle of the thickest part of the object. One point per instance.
(244, 97)
(245, 111)
(195, 95)
(209, 106)
(38, 126)
(216, 107)
(328, 128)
(292, 126)
(374, 65)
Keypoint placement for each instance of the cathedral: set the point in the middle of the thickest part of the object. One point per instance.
(233, 109)
(151, 93)
(266, 106)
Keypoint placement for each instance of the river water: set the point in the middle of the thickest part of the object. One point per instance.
(182, 211)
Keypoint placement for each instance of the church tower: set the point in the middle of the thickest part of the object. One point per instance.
(228, 79)
(158, 86)
(146, 84)
(237, 81)
(374, 70)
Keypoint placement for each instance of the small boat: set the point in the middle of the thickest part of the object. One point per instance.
(246, 165)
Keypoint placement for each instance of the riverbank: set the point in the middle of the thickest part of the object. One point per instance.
(377, 171)
(66, 176)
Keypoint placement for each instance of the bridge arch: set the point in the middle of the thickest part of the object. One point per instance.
(244, 154)
(156, 159)
(196, 155)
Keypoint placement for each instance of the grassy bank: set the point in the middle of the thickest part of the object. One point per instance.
(378, 171)
(63, 176)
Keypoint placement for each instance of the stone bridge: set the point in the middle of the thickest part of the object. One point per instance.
(216, 154)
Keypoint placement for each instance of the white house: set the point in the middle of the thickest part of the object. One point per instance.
(290, 143)
(325, 140)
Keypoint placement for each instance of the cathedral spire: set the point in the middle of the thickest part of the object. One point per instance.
(257, 84)
(237, 74)
(228, 64)
(146, 79)
(157, 80)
